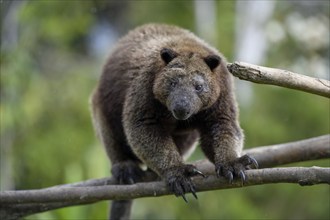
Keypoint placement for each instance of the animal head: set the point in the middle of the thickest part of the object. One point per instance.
(187, 83)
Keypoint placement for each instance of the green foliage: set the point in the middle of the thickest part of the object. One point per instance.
(146, 11)
(57, 24)
(225, 28)
(46, 82)
(287, 116)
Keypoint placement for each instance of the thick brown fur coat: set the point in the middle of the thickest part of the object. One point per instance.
(161, 89)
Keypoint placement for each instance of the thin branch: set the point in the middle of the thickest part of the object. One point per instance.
(282, 154)
(267, 156)
(278, 77)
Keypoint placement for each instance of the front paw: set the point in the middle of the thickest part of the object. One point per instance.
(236, 168)
(179, 180)
(127, 172)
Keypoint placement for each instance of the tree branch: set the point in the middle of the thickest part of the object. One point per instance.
(281, 154)
(278, 77)
(87, 194)
(27, 202)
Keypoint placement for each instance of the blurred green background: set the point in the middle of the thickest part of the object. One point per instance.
(52, 54)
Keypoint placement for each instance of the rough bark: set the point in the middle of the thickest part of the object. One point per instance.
(22, 203)
(88, 194)
(278, 77)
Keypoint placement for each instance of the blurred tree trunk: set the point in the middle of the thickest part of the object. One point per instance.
(205, 20)
(9, 38)
(251, 43)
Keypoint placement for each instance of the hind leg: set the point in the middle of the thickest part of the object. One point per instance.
(108, 126)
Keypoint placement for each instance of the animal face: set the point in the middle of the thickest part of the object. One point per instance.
(187, 83)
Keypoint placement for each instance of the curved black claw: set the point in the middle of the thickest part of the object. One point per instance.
(255, 163)
(247, 160)
(225, 171)
(198, 172)
(195, 195)
(184, 198)
(130, 180)
(193, 191)
(179, 180)
(229, 176)
(236, 168)
(242, 176)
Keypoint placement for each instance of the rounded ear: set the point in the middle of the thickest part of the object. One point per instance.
(168, 55)
(212, 61)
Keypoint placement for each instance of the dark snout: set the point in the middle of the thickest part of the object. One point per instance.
(181, 108)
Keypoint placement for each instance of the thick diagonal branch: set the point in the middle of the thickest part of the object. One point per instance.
(278, 77)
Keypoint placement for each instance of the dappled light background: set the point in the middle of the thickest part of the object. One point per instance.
(52, 54)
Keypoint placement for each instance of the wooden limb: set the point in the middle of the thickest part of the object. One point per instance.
(16, 204)
(300, 175)
(281, 154)
(268, 156)
(278, 77)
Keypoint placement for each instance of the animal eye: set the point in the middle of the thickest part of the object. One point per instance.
(173, 84)
(198, 88)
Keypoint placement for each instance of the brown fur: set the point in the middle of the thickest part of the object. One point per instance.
(148, 107)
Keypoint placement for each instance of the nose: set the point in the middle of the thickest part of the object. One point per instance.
(181, 109)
